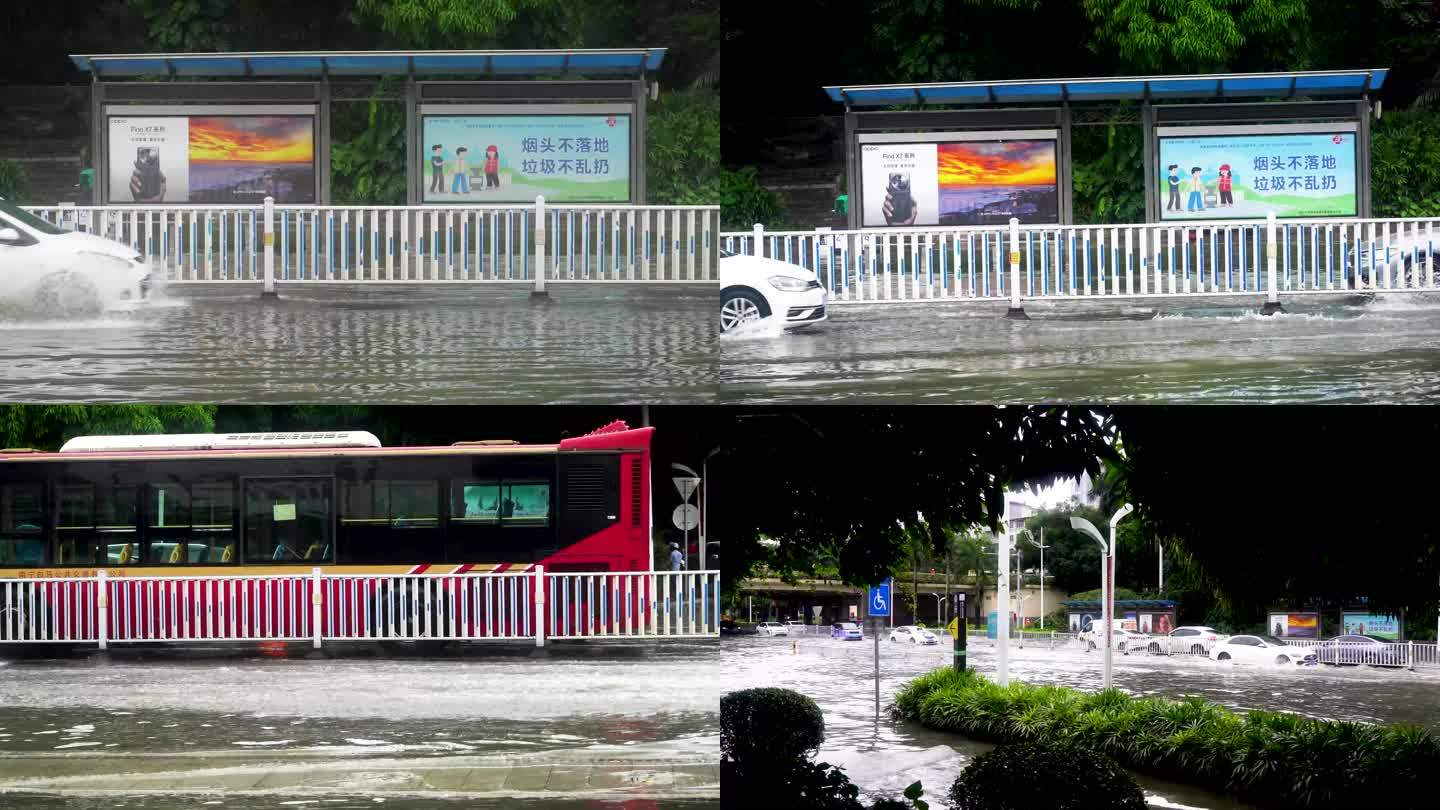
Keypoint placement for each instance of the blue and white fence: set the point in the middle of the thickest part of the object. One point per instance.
(1033, 262)
(525, 244)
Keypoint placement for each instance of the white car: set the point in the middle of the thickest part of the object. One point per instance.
(1124, 640)
(1261, 650)
(1193, 639)
(795, 627)
(56, 272)
(752, 288)
(913, 634)
(771, 629)
(1406, 253)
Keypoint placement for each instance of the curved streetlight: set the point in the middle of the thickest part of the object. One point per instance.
(1040, 545)
(1107, 577)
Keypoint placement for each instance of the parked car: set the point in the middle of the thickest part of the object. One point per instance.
(729, 627)
(1354, 649)
(771, 629)
(1193, 639)
(846, 631)
(1123, 640)
(1247, 649)
(796, 628)
(1404, 253)
(57, 272)
(913, 634)
(752, 288)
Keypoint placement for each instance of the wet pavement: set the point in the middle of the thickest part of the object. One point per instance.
(396, 344)
(628, 723)
(883, 756)
(1328, 349)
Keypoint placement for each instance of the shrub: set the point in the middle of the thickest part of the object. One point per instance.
(1060, 776)
(14, 185)
(683, 148)
(1269, 757)
(744, 202)
(769, 725)
(1405, 164)
(801, 783)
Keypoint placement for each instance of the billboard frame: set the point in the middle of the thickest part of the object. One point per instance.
(975, 123)
(538, 97)
(1351, 113)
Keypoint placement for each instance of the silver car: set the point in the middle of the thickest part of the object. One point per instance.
(1407, 255)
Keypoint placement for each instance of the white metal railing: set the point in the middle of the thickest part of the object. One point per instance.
(332, 606)
(531, 244)
(1029, 262)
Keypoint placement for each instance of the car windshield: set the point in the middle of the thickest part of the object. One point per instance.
(848, 626)
(12, 211)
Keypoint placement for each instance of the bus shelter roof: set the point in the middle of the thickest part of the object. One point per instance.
(1330, 83)
(317, 64)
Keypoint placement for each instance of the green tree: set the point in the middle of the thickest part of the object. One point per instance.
(472, 23)
(683, 148)
(1199, 36)
(46, 427)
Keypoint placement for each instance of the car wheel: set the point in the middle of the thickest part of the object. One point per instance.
(1282, 659)
(1092, 645)
(912, 641)
(66, 294)
(1154, 649)
(739, 307)
(1224, 656)
(1197, 650)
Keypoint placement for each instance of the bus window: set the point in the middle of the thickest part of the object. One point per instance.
(190, 524)
(75, 530)
(526, 504)
(477, 503)
(168, 523)
(22, 531)
(117, 540)
(288, 520)
(212, 533)
(372, 512)
(414, 504)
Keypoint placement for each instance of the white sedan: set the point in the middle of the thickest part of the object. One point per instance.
(1261, 650)
(752, 288)
(1413, 257)
(913, 634)
(771, 629)
(54, 272)
(1123, 640)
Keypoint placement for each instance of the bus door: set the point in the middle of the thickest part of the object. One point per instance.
(289, 520)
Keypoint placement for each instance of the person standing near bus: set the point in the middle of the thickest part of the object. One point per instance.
(677, 560)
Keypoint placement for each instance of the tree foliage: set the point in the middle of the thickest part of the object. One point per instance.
(46, 427)
(1197, 36)
(683, 148)
(14, 184)
(1405, 163)
(467, 23)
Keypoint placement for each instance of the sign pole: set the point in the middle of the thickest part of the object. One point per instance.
(879, 599)
(876, 634)
(959, 640)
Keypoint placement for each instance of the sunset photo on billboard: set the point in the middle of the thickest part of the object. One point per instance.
(235, 159)
(990, 181)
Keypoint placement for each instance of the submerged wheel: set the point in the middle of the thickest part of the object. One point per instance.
(1282, 659)
(740, 307)
(67, 294)
(1154, 648)
(1197, 649)
(1224, 656)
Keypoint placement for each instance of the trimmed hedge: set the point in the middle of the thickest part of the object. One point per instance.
(1042, 774)
(1270, 758)
(769, 725)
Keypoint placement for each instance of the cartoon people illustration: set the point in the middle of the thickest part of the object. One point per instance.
(1197, 191)
(492, 166)
(437, 169)
(462, 175)
(1173, 203)
(1227, 200)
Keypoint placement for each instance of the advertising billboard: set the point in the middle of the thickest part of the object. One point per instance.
(1371, 624)
(229, 157)
(958, 178)
(1293, 625)
(500, 158)
(1248, 172)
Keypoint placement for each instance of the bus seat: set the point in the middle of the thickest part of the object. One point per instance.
(125, 552)
(228, 554)
(310, 552)
(175, 554)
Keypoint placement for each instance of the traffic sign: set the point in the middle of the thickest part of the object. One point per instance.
(686, 486)
(686, 516)
(879, 599)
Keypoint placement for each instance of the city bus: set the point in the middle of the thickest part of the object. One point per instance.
(269, 509)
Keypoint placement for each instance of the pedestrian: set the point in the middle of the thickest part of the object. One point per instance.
(677, 560)
(1197, 191)
(1173, 203)
(437, 169)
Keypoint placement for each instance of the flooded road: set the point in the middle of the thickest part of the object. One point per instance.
(883, 756)
(400, 344)
(1330, 350)
(566, 726)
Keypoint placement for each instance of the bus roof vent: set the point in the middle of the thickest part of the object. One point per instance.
(488, 443)
(220, 441)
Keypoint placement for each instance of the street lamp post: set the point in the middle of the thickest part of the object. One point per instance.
(1040, 545)
(1107, 579)
(939, 602)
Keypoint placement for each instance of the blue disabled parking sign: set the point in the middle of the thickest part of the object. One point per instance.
(880, 599)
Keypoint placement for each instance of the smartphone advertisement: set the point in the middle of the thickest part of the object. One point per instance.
(216, 159)
(964, 181)
(516, 158)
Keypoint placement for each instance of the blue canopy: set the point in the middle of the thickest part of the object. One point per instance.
(628, 62)
(1353, 83)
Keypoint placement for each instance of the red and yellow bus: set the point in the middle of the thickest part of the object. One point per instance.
(263, 504)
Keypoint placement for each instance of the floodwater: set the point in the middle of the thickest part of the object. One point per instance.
(1327, 349)
(473, 730)
(883, 756)
(394, 344)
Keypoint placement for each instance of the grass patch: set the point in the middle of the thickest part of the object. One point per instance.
(1269, 758)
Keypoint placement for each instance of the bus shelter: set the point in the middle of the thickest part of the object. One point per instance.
(480, 126)
(1216, 147)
